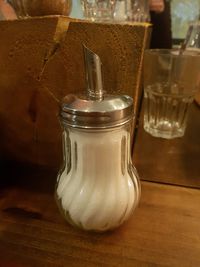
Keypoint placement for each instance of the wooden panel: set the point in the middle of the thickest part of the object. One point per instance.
(175, 161)
(163, 232)
(42, 60)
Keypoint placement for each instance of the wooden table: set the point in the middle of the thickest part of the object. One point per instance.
(164, 231)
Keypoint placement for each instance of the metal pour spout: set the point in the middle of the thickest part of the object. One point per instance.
(93, 69)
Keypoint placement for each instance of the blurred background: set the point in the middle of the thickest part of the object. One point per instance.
(182, 13)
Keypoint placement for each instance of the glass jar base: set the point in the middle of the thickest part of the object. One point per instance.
(175, 133)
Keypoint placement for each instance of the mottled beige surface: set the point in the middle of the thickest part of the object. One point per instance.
(41, 61)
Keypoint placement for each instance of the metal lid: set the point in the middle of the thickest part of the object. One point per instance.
(95, 109)
(77, 111)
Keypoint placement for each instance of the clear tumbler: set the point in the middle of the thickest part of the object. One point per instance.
(171, 80)
(98, 10)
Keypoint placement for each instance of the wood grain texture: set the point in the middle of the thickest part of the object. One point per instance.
(175, 161)
(164, 231)
(42, 61)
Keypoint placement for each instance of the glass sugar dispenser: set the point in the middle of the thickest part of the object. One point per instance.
(97, 188)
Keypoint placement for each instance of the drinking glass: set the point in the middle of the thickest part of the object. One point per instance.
(139, 11)
(132, 10)
(116, 10)
(171, 80)
(98, 10)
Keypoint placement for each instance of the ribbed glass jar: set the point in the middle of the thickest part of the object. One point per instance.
(98, 187)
